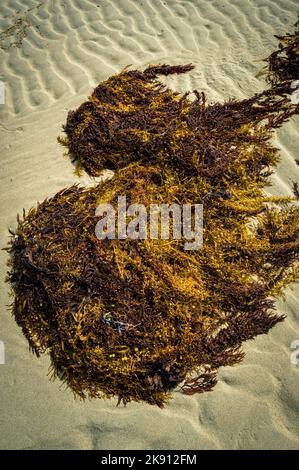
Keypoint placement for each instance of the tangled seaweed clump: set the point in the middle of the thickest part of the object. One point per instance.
(133, 117)
(134, 318)
(283, 63)
(137, 318)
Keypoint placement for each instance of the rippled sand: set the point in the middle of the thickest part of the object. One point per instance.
(52, 53)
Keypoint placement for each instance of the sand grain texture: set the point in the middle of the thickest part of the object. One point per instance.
(52, 54)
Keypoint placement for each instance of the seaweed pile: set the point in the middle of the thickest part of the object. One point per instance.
(283, 63)
(136, 318)
(160, 127)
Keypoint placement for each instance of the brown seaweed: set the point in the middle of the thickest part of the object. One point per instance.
(283, 64)
(136, 318)
(182, 313)
(133, 117)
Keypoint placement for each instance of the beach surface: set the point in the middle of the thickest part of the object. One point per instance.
(52, 54)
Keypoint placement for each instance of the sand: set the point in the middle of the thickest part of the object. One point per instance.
(52, 54)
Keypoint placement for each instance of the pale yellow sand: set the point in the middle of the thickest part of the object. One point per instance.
(52, 54)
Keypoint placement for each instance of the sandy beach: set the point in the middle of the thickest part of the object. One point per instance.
(52, 54)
